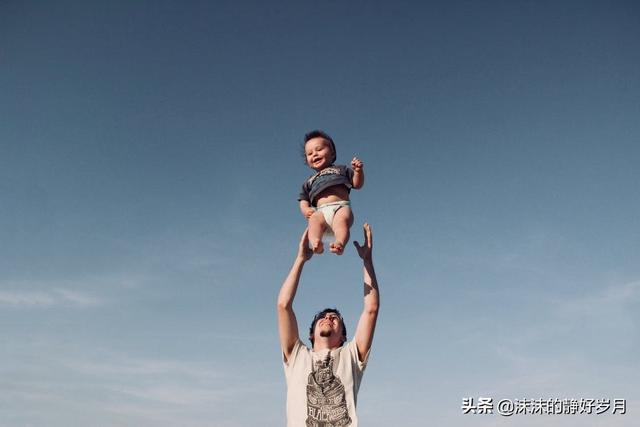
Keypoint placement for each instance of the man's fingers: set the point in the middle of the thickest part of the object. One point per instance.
(366, 230)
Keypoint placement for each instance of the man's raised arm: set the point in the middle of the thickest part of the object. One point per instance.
(287, 323)
(367, 323)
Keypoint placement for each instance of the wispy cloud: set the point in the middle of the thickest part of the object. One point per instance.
(29, 299)
(556, 354)
(30, 391)
(79, 292)
(612, 298)
(55, 297)
(174, 394)
(142, 367)
(148, 390)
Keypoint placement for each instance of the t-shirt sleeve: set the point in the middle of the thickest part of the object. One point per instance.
(349, 173)
(304, 193)
(353, 351)
(297, 361)
(294, 354)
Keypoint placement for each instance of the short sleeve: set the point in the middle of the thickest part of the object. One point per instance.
(294, 354)
(304, 192)
(349, 174)
(353, 351)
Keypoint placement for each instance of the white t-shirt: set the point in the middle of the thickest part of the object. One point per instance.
(322, 387)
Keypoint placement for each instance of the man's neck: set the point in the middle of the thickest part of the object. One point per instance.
(325, 344)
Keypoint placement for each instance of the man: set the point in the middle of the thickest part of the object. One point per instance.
(323, 382)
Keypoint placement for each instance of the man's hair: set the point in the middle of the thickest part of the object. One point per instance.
(317, 133)
(321, 315)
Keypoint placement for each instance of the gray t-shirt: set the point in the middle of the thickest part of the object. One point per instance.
(327, 177)
(322, 387)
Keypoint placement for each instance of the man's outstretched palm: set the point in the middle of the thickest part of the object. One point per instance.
(365, 251)
(304, 251)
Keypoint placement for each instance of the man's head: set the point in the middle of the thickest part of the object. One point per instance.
(328, 323)
(319, 149)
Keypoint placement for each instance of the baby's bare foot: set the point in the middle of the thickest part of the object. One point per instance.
(317, 247)
(337, 248)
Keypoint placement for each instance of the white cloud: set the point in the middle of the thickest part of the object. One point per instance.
(79, 293)
(28, 299)
(55, 297)
(612, 298)
(78, 298)
(110, 383)
(175, 394)
(142, 367)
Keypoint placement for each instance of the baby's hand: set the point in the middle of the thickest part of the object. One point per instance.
(308, 213)
(356, 164)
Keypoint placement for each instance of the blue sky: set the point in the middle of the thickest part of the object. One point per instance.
(150, 162)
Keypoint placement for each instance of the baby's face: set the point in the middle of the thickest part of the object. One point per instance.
(318, 153)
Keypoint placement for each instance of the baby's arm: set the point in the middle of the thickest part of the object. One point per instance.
(306, 209)
(358, 173)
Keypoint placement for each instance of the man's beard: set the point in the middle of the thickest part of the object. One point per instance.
(325, 333)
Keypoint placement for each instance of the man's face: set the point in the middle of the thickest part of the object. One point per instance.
(318, 153)
(329, 326)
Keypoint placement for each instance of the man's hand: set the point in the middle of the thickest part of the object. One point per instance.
(304, 251)
(356, 164)
(365, 251)
(308, 212)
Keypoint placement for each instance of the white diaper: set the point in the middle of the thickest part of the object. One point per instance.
(329, 211)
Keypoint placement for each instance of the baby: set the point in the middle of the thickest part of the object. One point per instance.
(324, 199)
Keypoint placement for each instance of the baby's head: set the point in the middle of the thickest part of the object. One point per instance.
(319, 150)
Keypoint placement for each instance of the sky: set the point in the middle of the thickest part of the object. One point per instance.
(150, 161)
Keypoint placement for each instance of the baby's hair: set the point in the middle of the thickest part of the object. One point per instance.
(318, 134)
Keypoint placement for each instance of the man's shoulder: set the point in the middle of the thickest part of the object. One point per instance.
(299, 349)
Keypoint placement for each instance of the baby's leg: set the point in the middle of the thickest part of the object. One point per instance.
(317, 226)
(342, 222)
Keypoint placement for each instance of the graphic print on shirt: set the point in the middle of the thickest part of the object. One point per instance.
(326, 404)
(331, 170)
